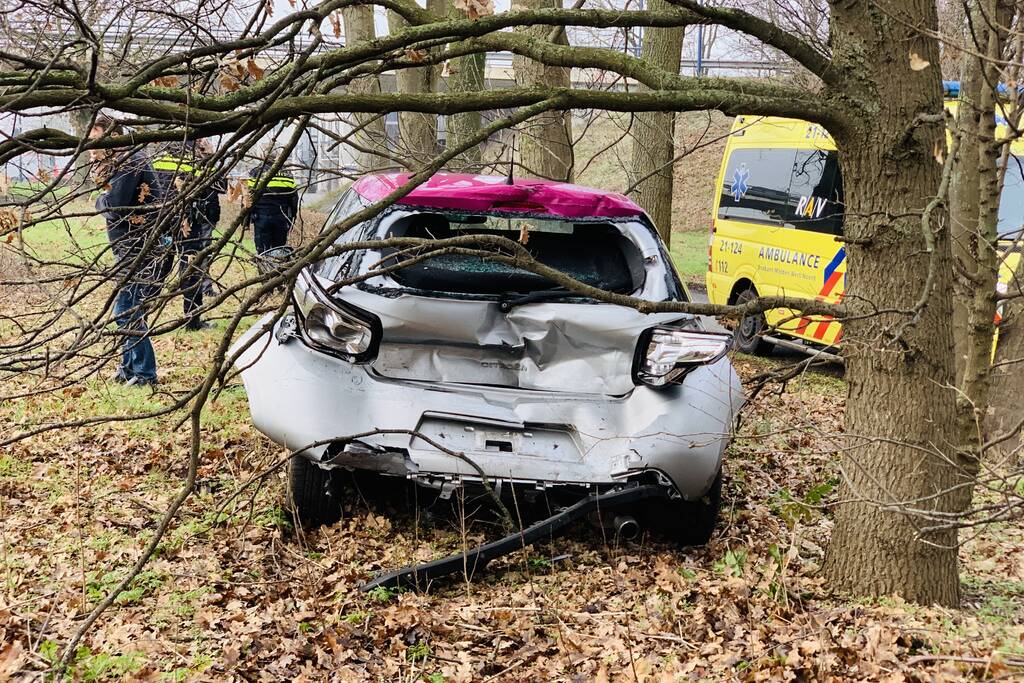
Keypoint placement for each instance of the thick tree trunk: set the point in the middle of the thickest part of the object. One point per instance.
(80, 120)
(465, 74)
(899, 467)
(370, 138)
(417, 131)
(545, 145)
(654, 132)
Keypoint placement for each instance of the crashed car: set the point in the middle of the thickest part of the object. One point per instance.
(458, 370)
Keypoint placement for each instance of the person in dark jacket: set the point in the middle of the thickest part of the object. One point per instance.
(181, 175)
(274, 211)
(208, 211)
(127, 203)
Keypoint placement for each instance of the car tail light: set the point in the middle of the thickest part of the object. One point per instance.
(326, 326)
(334, 326)
(666, 354)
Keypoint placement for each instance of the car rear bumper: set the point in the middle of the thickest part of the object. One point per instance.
(304, 400)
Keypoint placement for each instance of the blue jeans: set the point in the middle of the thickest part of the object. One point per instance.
(137, 358)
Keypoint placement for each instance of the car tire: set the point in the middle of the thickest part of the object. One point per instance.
(315, 501)
(748, 337)
(686, 522)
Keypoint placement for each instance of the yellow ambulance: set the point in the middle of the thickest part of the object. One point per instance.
(777, 223)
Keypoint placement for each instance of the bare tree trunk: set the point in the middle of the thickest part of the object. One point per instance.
(545, 147)
(1005, 411)
(974, 223)
(654, 132)
(465, 74)
(1004, 414)
(900, 468)
(80, 120)
(370, 138)
(417, 131)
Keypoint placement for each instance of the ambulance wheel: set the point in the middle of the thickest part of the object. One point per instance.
(748, 337)
(688, 523)
(315, 500)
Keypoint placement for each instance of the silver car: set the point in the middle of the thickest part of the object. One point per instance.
(459, 371)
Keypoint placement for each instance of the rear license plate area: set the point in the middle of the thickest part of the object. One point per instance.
(466, 436)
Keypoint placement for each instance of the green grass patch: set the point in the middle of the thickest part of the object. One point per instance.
(29, 188)
(689, 252)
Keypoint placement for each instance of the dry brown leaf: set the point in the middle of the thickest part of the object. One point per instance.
(166, 81)
(917, 63)
(254, 69)
(416, 55)
(236, 191)
(335, 18)
(524, 233)
(474, 9)
(11, 659)
(229, 82)
(231, 655)
(144, 192)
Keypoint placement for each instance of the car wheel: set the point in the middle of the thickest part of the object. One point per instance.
(314, 496)
(748, 336)
(686, 522)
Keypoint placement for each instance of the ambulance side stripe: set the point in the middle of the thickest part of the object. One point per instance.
(834, 263)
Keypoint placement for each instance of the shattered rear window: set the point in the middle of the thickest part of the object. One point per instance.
(593, 252)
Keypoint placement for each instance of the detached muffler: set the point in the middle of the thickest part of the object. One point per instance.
(419, 576)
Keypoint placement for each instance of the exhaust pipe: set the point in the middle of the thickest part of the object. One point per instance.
(626, 527)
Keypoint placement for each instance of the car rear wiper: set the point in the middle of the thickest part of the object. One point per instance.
(508, 303)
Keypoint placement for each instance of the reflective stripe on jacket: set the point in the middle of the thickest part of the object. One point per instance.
(172, 164)
(278, 182)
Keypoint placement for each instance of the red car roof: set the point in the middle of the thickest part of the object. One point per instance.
(483, 193)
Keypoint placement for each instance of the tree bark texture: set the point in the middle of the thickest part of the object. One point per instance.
(465, 74)
(417, 131)
(900, 468)
(370, 137)
(975, 215)
(544, 146)
(654, 132)
(1005, 413)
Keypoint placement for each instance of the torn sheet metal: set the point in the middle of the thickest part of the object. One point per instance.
(544, 346)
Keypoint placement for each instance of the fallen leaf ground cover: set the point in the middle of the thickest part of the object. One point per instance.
(236, 592)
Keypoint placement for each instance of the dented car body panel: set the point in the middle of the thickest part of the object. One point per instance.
(298, 397)
(471, 384)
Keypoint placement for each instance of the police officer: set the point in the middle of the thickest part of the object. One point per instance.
(274, 211)
(128, 204)
(191, 205)
(207, 210)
